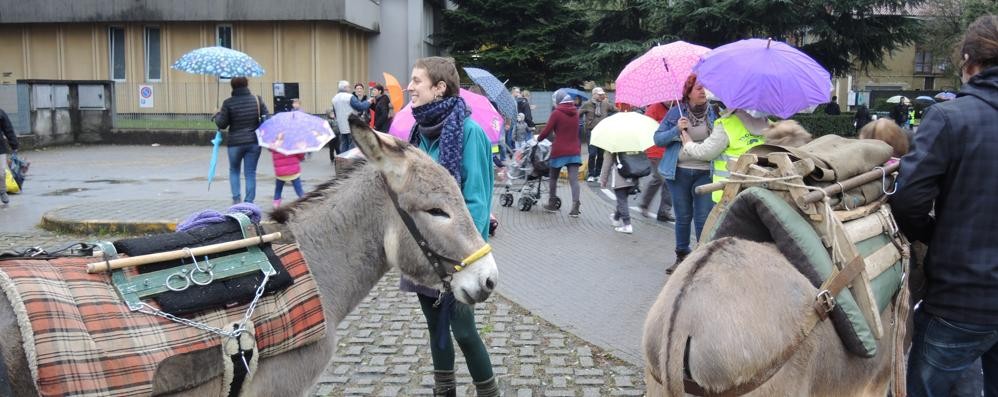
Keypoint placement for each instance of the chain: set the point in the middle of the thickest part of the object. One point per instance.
(147, 309)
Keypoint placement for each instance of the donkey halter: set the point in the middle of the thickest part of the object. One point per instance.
(443, 271)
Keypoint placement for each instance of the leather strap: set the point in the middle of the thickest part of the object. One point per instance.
(839, 280)
(433, 256)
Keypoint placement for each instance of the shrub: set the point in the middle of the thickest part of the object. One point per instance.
(823, 124)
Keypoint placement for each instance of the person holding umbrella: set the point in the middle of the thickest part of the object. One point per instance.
(447, 133)
(241, 114)
(689, 122)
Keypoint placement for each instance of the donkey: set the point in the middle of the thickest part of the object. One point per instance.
(351, 234)
(730, 311)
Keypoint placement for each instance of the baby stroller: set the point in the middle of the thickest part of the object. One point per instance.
(528, 168)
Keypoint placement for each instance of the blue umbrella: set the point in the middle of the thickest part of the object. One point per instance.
(945, 96)
(218, 61)
(577, 93)
(495, 90)
(925, 100)
(214, 157)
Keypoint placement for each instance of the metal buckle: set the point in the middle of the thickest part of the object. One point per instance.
(825, 301)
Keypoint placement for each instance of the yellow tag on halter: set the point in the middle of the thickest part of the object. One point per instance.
(473, 257)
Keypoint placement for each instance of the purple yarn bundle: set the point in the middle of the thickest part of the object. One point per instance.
(207, 217)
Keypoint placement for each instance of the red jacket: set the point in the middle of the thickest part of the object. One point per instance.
(656, 111)
(564, 122)
(287, 165)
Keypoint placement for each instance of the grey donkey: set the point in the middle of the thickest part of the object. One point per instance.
(729, 311)
(351, 235)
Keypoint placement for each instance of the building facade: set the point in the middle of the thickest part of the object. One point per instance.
(314, 43)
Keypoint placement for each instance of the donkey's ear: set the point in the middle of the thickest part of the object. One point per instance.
(381, 150)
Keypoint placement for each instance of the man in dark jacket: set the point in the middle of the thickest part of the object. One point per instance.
(953, 169)
(523, 106)
(241, 114)
(832, 108)
(8, 143)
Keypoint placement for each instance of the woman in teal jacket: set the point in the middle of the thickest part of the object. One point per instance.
(445, 131)
(695, 118)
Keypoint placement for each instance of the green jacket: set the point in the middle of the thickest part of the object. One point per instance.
(477, 177)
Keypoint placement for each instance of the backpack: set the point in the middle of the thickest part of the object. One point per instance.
(633, 164)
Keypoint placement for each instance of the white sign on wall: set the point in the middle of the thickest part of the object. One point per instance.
(145, 96)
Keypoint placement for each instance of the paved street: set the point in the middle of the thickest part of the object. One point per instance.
(574, 293)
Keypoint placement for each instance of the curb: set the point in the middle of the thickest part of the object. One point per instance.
(55, 224)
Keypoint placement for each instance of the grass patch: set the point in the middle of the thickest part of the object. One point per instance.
(164, 124)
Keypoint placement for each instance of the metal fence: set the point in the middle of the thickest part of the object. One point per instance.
(190, 105)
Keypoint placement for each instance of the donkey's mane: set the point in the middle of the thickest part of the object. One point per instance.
(326, 189)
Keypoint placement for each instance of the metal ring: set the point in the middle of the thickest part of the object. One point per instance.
(211, 277)
(181, 275)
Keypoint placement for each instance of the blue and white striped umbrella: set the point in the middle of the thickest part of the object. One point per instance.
(218, 61)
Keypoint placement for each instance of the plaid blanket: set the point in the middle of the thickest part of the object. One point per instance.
(81, 339)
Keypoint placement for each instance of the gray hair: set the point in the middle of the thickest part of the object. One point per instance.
(343, 85)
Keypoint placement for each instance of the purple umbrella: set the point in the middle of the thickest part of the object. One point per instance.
(764, 75)
(294, 132)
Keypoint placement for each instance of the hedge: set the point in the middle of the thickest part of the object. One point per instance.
(823, 124)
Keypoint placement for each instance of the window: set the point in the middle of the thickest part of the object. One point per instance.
(116, 42)
(930, 83)
(927, 63)
(223, 36)
(152, 54)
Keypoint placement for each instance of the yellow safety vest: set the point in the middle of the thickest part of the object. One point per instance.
(740, 140)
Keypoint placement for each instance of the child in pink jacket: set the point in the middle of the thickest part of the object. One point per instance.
(287, 169)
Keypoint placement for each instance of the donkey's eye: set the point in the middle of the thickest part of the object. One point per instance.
(437, 212)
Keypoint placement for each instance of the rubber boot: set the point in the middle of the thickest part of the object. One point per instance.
(680, 255)
(550, 206)
(444, 384)
(487, 388)
(575, 209)
(277, 203)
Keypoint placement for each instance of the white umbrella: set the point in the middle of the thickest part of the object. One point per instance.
(896, 99)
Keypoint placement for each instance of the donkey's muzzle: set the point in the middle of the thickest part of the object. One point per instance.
(476, 282)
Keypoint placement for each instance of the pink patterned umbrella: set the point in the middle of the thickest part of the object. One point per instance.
(659, 74)
(482, 112)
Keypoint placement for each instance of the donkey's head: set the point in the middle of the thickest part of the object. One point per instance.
(430, 196)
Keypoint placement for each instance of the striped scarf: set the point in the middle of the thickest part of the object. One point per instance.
(451, 113)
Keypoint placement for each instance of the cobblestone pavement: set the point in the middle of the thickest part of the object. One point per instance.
(384, 351)
(384, 346)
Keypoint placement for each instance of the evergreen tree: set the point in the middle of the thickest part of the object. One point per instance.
(836, 33)
(520, 40)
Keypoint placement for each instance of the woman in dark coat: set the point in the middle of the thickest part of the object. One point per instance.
(382, 108)
(241, 114)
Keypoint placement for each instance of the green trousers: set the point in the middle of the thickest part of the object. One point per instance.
(462, 325)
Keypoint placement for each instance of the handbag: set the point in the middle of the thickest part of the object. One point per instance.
(633, 164)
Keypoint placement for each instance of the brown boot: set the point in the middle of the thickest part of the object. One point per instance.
(680, 255)
(575, 210)
(444, 384)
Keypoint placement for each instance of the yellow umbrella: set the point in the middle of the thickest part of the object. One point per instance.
(394, 91)
(625, 132)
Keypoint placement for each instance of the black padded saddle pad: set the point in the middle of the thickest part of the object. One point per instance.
(224, 293)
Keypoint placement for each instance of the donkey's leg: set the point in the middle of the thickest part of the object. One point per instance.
(18, 373)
